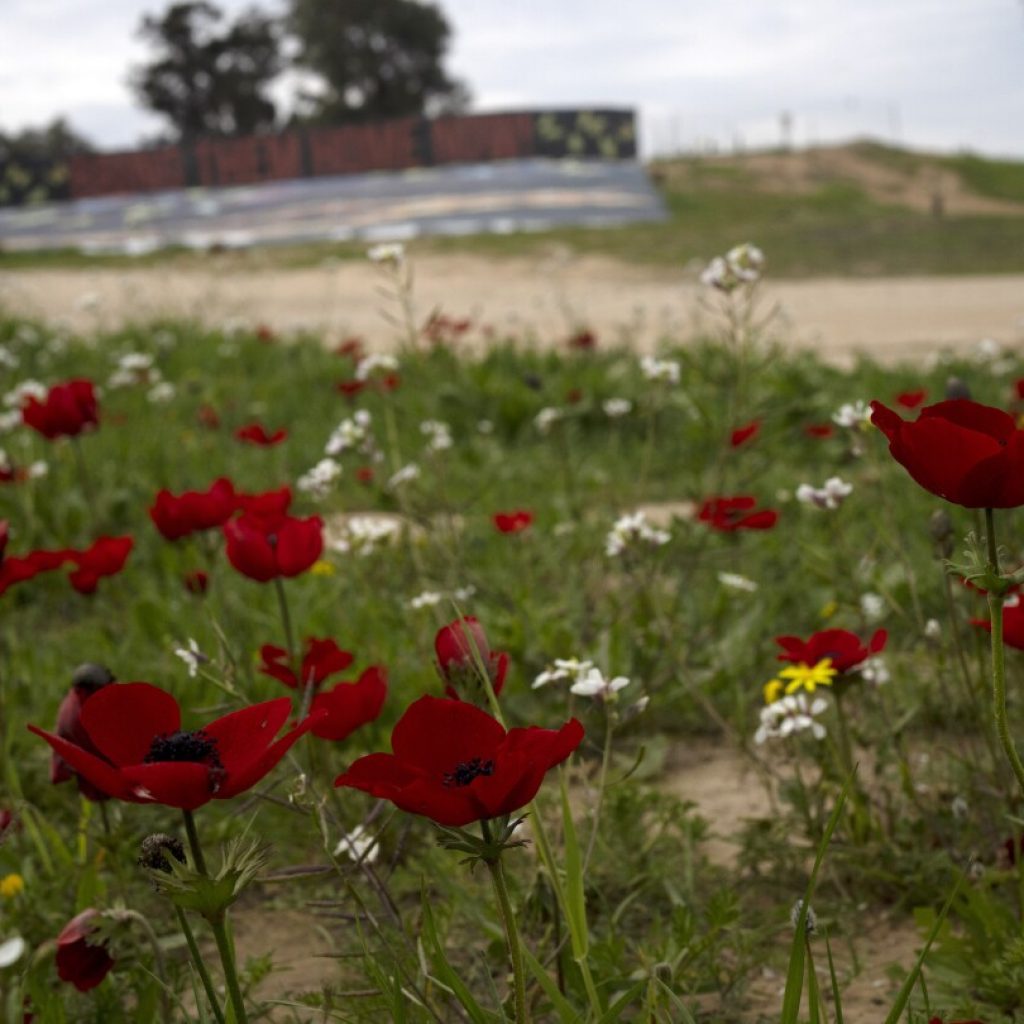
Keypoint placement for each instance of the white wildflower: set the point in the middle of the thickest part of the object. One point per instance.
(192, 656)
(933, 629)
(875, 671)
(630, 528)
(404, 475)
(37, 470)
(666, 371)
(852, 415)
(464, 593)
(830, 496)
(563, 668)
(594, 684)
(439, 435)
(359, 845)
(318, 480)
(616, 407)
(746, 261)
(161, 393)
(987, 350)
(11, 951)
(872, 606)
(16, 397)
(362, 535)
(8, 358)
(351, 433)
(9, 420)
(734, 581)
(427, 599)
(373, 364)
(790, 715)
(388, 253)
(547, 417)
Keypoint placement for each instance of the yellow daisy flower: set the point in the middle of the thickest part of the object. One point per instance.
(799, 677)
(11, 885)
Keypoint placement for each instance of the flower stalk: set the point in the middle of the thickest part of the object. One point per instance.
(508, 920)
(996, 599)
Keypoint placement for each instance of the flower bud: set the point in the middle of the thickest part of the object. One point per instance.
(155, 847)
(957, 388)
(940, 526)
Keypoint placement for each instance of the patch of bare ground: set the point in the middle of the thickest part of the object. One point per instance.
(539, 299)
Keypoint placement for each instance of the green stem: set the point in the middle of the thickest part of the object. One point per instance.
(602, 781)
(159, 967)
(199, 964)
(219, 927)
(995, 611)
(83, 473)
(508, 919)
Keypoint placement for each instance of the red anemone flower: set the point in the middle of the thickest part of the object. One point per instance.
(352, 348)
(819, 430)
(351, 388)
(911, 399)
(513, 522)
(20, 568)
(455, 764)
(178, 516)
(67, 410)
(78, 961)
(106, 557)
(583, 341)
(5, 534)
(323, 658)
(256, 433)
(144, 756)
(458, 647)
(746, 433)
(347, 706)
(196, 581)
(1013, 623)
(208, 417)
(967, 453)
(265, 543)
(729, 514)
(843, 647)
(87, 681)
(364, 474)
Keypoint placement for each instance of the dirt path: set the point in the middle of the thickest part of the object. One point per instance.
(887, 317)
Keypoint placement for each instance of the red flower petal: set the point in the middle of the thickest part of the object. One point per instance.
(123, 720)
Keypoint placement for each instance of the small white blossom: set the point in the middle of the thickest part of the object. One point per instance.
(616, 407)
(404, 475)
(318, 480)
(351, 433)
(594, 684)
(372, 364)
(9, 420)
(16, 397)
(563, 668)
(362, 535)
(439, 434)
(8, 358)
(987, 350)
(830, 496)
(875, 671)
(464, 593)
(192, 656)
(933, 629)
(852, 415)
(734, 581)
(791, 715)
(746, 261)
(547, 417)
(666, 371)
(37, 470)
(427, 599)
(162, 393)
(389, 253)
(359, 845)
(630, 528)
(872, 606)
(12, 950)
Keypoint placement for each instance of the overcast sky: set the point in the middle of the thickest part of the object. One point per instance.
(928, 73)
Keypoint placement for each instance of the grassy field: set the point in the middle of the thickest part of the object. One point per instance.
(669, 933)
(864, 209)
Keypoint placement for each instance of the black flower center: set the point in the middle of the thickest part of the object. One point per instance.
(198, 747)
(466, 771)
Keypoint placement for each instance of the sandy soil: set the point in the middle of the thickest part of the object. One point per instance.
(888, 317)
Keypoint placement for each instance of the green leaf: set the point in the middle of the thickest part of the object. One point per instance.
(566, 1013)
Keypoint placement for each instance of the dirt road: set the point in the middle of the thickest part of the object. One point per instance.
(888, 317)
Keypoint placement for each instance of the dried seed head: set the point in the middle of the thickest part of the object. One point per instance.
(153, 851)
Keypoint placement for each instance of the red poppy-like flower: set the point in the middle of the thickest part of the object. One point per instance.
(746, 433)
(256, 433)
(364, 474)
(5, 534)
(352, 348)
(265, 334)
(583, 341)
(441, 329)
(105, 557)
(78, 961)
(938, 1020)
(347, 706)
(323, 658)
(967, 453)
(460, 647)
(455, 764)
(574, 396)
(178, 516)
(85, 683)
(729, 514)
(196, 581)
(67, 410)
(840, 645)
(911, 399)
(1013, 623)
(142, 755)
(19, 568)
(351, 388)
(264, 542)
(389, 382)
(819, 430)
(513, 522)
(208, 417)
